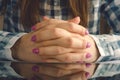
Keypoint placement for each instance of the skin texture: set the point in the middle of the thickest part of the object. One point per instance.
(55, 40)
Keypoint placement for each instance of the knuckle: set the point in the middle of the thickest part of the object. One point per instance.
(70, 42)
(57, 32)
(83, 30)
(83, 66)
(51, 21)
(59, 50)
(84, 43)
(83, 58)
(43, 51)
(72, 27)
(68, 58)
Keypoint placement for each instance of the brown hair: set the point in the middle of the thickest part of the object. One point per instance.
(30, 11)
(80, 8)
(30, 14)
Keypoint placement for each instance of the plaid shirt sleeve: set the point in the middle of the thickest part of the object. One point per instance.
(7, 40)
(109, 44)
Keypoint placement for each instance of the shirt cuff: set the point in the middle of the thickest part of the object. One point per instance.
(108, 47)
(11, 42)
(106, 56)
(100, 49)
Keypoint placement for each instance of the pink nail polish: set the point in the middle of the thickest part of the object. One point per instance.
(35, 68)
(86, 32)
(35, 51)
(88, 65)
(88, 55)
(33, 28)
(88, 45)
(87, 74)
(33, 38)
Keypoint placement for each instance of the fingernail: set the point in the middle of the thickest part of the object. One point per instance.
(88, 55)
(35, 68)
(35, 51)
(87, 74)
(86, 32)
(33, 38)
(88, 45)
(33, 28)
(88, 65)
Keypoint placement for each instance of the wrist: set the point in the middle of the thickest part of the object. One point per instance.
(14, 49)
(93, 48)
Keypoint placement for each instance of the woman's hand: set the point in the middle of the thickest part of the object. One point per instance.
(70, 42)
(78, 54)
(61, 38)
(75, 45)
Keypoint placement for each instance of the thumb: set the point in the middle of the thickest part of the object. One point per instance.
(45, 18)
(75, 20)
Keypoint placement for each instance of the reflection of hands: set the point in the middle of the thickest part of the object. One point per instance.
(55, 71)
(86, 70)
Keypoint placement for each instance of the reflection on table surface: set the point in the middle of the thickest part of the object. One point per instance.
(59, 71)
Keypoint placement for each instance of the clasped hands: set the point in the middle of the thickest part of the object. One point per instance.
(55, 40)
